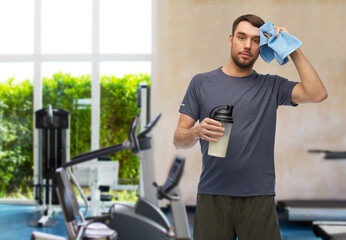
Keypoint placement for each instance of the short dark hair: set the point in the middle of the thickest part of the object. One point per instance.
(253, 19)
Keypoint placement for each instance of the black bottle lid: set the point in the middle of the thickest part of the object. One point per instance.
(224, 114)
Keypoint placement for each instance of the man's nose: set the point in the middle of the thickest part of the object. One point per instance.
(247, 43)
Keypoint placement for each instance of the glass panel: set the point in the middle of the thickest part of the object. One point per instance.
(119, 69)
(74, 68)
(17, 27)
(66, 26)
(67, 85)
(119, 82)
(16, 129)
(19, 71)
(125, 26)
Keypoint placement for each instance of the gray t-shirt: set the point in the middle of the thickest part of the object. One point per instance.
(248, 168)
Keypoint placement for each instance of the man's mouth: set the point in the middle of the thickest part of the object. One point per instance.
(245, 55)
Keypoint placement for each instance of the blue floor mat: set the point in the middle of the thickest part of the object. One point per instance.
(14, 222)
(296, 231)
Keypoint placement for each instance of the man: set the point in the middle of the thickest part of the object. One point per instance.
(236, 193)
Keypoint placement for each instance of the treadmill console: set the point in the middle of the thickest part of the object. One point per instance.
(173, 179)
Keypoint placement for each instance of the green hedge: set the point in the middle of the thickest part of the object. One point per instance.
(117, 107)
(16, 125)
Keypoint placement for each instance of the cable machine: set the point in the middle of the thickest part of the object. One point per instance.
(53, 152)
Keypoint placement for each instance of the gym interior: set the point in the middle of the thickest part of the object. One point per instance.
(158, 47)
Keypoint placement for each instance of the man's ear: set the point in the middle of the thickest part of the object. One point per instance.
(230, 39)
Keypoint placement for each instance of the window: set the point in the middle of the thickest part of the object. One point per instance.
(89, 38)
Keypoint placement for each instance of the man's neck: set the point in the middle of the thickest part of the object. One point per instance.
(233, 70)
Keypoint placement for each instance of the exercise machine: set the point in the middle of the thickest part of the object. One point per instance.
(145, 220)
(78, 226)
(53, 138)
(328, 216)
(148, 220)
(312, 209)
(145, 217)
(330, 230)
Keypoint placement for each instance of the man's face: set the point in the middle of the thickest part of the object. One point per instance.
(245, 45)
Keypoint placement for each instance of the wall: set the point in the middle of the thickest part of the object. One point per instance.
(192, 37)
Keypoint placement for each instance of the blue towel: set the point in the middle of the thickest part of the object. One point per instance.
(279, 47)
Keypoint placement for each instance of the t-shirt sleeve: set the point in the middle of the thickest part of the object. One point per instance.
(285, 89)
(190, 103)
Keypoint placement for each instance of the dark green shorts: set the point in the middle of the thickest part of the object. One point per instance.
(225, 218)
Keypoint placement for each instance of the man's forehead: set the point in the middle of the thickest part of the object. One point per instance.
(246, 28)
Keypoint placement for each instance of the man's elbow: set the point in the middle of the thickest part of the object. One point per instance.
(176, 141)
(320, 97)
(180, 143)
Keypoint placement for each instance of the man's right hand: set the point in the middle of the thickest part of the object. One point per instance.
(209, 128)
(187, 133)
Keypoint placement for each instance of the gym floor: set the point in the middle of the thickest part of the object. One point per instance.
(14, 222)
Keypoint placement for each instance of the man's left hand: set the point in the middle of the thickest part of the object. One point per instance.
(278, 30)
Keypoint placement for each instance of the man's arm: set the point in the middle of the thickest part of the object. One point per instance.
(187, 133)
(311, 88)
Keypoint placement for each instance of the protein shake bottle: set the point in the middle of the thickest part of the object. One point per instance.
(223, 115)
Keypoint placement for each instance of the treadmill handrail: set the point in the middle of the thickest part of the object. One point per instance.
(131, 144)
(328, 154)
(325, 151)
(84, 157)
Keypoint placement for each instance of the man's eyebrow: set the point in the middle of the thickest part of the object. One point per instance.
(244, 34)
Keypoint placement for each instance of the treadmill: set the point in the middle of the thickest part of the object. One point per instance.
(313, 210)
(330, 230)
(328, 216)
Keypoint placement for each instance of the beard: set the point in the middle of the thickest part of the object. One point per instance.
(243, 64)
